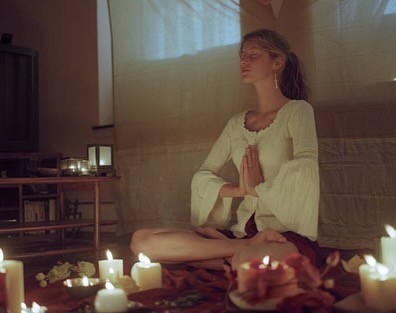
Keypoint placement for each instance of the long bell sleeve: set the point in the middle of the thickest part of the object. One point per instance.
(207, 208)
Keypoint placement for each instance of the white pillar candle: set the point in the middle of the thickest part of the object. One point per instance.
(378, 285)
(14, 282)
(388, 248)
(146, 274)
(111, 300)
(116, 264)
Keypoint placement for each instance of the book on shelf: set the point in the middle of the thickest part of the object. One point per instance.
(39, 211)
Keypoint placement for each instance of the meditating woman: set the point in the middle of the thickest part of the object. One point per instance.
(274, 147)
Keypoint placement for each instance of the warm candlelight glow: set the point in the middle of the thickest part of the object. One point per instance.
(144, 259)
(266, 260)
(109, 286)
(370, 260)
(390, 230)
(382, 269)
(1, 255)
(109, 255)
(85, 281)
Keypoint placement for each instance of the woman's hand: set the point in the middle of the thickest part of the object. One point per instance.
(251, 169)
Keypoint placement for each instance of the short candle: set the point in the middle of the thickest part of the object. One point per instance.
(116, 264)
(14, 281)
(111, 300)
(377, 285)
(146, 274)
(388, 248)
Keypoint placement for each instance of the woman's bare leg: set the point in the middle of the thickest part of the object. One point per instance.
(203, 247)
(181, 245)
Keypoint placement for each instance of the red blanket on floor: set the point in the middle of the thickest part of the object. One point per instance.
(178, 281)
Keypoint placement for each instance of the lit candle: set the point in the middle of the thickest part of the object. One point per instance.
(377, 285)
(3, 289)
(36, 308)
(111, 300)
(14, 284)
(245, 273)
(147, 274)
(116, 264)
(388, 248)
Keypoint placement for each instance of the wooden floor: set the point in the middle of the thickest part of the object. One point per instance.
(119, 247)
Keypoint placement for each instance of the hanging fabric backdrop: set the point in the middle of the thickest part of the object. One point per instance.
(176, 83)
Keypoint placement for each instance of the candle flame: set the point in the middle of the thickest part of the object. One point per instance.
(23, 306)
(390, 230)
(382, 269)
(370, 260)
(109, 255)
(36, 307)
(1, 255)
(275, 264)
(111, 271)
(85, 281)
(109, 285)
(266, 260)
(144, 259)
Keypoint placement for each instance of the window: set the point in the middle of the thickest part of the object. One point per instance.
(186, 27)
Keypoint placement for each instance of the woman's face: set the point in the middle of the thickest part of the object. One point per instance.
(256, 64)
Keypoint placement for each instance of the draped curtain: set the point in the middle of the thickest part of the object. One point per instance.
(176, 83)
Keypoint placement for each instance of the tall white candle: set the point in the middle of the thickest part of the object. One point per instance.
(388, 248)
(14, 279)
(377, 285)
(147, 274)
(116, 264)
(111, 300)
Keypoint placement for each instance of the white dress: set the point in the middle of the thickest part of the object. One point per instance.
(288, 199)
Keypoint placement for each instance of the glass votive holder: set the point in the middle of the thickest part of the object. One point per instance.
(79, 288)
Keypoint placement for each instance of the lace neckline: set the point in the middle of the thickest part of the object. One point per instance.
(266, 127)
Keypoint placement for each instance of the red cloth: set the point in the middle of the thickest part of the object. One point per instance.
(177, 280)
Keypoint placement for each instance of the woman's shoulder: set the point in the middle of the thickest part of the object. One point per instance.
(237, 119)
(298, 106)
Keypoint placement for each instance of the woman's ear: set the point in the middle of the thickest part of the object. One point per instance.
(279, 63)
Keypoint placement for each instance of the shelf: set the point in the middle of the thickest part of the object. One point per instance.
(8, 228)
(39, 196)
(56, 180)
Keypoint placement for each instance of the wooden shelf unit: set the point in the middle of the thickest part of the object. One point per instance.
(63, 184)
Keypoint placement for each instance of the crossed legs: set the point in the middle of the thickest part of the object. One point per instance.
(206, 247)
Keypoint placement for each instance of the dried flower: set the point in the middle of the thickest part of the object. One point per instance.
(294, 279)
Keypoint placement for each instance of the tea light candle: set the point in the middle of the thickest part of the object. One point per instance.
(146, 274)
(245, 272)
(388, 248)
(116, 264)
(36, 308)
(111, 300)
(377, 285)
(14, 283)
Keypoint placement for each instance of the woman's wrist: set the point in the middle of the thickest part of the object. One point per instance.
(230, 190)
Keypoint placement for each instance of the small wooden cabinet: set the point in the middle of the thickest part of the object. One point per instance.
(17, 192)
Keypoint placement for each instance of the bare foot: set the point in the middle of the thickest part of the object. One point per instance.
(209, 232)
(266, 235)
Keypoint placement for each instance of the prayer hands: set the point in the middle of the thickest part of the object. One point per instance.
(250, 174)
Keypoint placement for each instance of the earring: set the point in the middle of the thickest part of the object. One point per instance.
(276, 80)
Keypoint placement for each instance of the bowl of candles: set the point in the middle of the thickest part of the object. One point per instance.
(79, 288)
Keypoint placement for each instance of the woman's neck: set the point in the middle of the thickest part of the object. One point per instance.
(269, 100)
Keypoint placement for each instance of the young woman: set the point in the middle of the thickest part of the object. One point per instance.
(274, 147)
